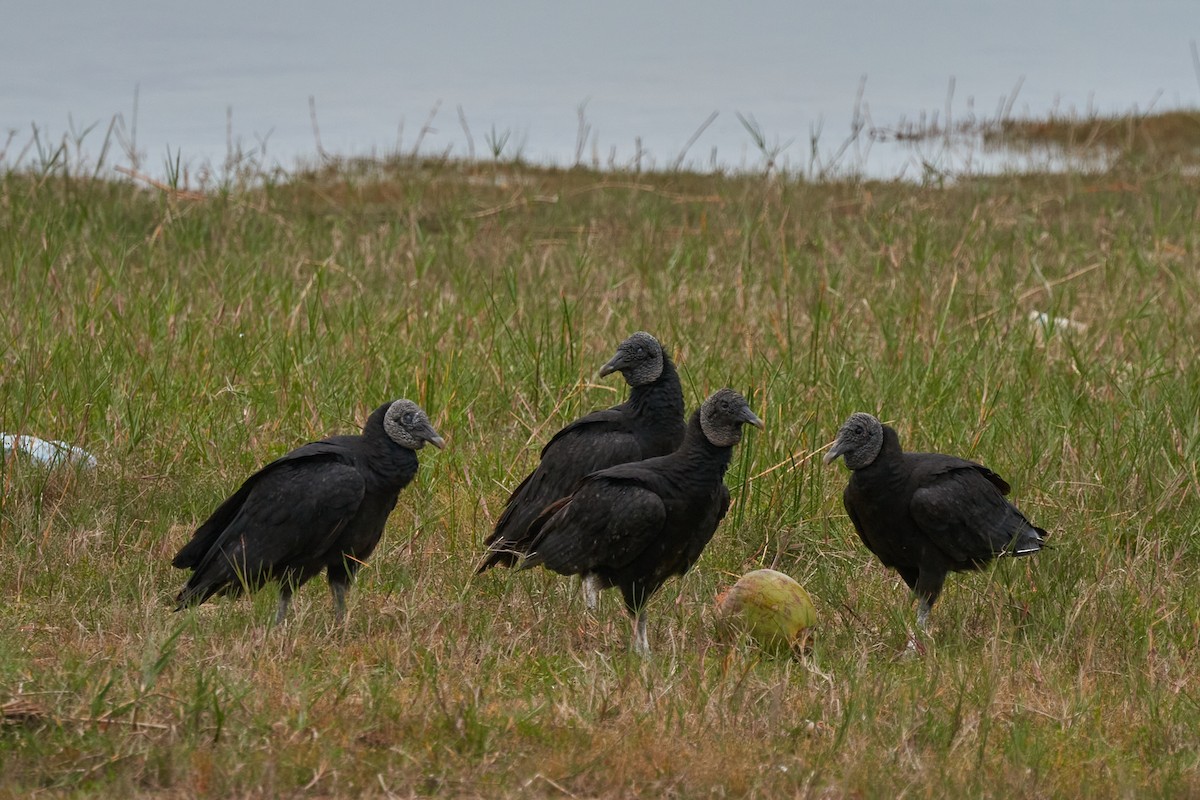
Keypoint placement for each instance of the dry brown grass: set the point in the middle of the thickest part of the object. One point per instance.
(1161, 135)
(186, 342)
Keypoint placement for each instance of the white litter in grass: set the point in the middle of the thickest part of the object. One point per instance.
(1048, 322)
(46, 453)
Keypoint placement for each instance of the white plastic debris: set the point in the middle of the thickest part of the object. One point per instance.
(46, 453)
(1048, 322)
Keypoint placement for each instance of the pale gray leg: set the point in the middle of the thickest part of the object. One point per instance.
(641, 644)
(927, 588)
(285, 599)
(923, 607)
(339, 591)
(591, 591)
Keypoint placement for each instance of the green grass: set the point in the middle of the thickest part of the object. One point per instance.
(186, 342)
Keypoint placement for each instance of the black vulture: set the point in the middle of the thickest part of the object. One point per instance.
(650, 423)
(926, 514)
(635, 525)
(320, 507)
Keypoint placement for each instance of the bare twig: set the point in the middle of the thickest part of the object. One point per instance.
(688, 144)
(131, 723)
(794, 460)
(582, 135)
(854, 616)
(18, 710)
(517, 202)
(426, 128)
(857, 123)
(182, 194)
(1196, 61)
(521, 200)
(552, 783)
(12, 132)
(1045, 287)
(949, 104)
(312, 113)
(642, 187)
(462, 120)
(132, 152)
(1012, 98)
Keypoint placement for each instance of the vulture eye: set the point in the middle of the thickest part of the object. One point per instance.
(409, 418)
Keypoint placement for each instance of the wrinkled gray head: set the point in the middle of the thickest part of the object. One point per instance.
(858, 441)
(639, 358)
(723, 415)
(408, 426)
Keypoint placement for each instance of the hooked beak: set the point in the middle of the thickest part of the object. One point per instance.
(749, 417)
(838, 448)
(431, 436)
(616, 364)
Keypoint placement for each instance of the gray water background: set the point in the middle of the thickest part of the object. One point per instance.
(618, 83)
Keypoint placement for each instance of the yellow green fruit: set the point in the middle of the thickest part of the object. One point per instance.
(771, 608)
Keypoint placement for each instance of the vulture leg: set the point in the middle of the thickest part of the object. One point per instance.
(299, 513)
(634, 595)
(641, 643)
(339, 589)
(929, 586)
(285, 599)
(635, 525)
(925, 514)
(591, 591)
(923, 608)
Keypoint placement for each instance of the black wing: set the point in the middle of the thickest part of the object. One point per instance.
(594, 442)
(598, 424)
(964, 513)
(202, 541)
(929, 465)
(606, 524)
(283, 519)
(684, 539)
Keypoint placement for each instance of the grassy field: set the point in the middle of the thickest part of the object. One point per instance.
(185, 340)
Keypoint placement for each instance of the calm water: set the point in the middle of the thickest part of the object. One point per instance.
(645, 75)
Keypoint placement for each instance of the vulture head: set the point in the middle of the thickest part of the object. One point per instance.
(858, 441)
(639, 358)
(408, 426)
(723, 415)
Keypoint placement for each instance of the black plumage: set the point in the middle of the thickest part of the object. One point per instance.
(926, 514)
(322, 506)
(635, 525)
(650, 423)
